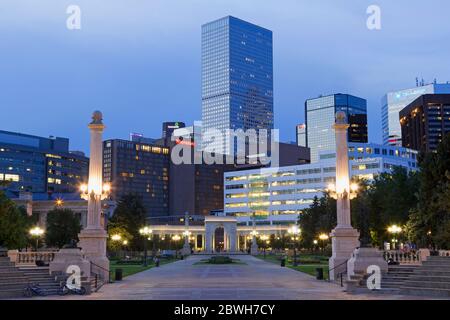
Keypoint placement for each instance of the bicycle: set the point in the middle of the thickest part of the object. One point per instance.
(34, 289)
(73, 290)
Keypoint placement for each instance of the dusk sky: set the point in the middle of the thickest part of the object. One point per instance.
(139, 61)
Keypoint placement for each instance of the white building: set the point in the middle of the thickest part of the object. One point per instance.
(278, 195)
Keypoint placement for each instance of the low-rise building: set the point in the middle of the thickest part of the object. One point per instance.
(278, 195)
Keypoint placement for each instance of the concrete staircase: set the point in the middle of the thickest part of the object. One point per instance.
(41, 276)
(430, 279)
(12, 280)
(392, 280)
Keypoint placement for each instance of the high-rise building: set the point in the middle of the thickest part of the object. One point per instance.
(320, 116)
(237, 80)
(425, 122)
(138, 168)
(38, 164)
(300, 131)
(394, 102)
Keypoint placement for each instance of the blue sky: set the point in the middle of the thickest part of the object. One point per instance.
(139, 61)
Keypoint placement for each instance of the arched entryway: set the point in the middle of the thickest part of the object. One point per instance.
(219, 239)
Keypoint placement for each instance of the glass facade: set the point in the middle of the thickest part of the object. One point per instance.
(281, 194)
(40, 165)
(320, 117)
(394, 102)
(138, 168)
(301, 135)
(237, 80)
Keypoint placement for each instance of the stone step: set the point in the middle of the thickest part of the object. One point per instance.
(425, 291)
(11, 293)
(10, 273)
(11, 286)
(427, 284)
(6, 264)
(432, 273)
(13, 278)
(431, 278)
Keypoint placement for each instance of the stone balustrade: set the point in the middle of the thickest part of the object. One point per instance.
(30, 258)
(403, 258)
(444, 253)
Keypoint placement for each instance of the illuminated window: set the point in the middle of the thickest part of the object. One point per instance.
(10, 177)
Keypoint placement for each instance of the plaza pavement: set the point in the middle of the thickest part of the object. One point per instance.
(254, 280)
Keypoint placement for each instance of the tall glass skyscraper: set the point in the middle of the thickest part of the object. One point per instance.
(237, 80)
(394, 102)
(320, 117)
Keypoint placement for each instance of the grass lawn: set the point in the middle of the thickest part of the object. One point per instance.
(128, 270)
(307, 264)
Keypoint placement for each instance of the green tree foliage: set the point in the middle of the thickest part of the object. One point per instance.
(62, 226)
(14, 224)
(319, 218)
(390, 200)
(114, 245)
(129, 216)
(429, 223)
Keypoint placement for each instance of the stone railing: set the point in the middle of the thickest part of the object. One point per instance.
(409, 258)
(444, 253)
(30, 258)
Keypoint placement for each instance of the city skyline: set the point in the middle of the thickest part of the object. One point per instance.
(101, 67)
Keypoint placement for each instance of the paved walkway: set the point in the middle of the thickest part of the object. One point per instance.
(255, 280)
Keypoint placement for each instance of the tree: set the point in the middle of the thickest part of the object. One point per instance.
(14, 224)
(430, 221)
(390, 198)
(320, 217)
(129, 215)
(124, 234)
(62, 226)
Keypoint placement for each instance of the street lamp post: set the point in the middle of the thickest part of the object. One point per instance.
(254, 247)
(265, 239)
(394, 230)
(323, 237)
(145, 232)
(36, 232)
(294, 231)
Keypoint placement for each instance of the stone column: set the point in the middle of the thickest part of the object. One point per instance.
(344, 238)
(186, 247)
(93, 237)
(208, 237)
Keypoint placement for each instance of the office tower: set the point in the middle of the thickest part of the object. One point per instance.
(278, 196)
(320, 117)
(394, 102)
(38, 164)
(300, 135)
(237, 80)
(138, 168)
(425, 121)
